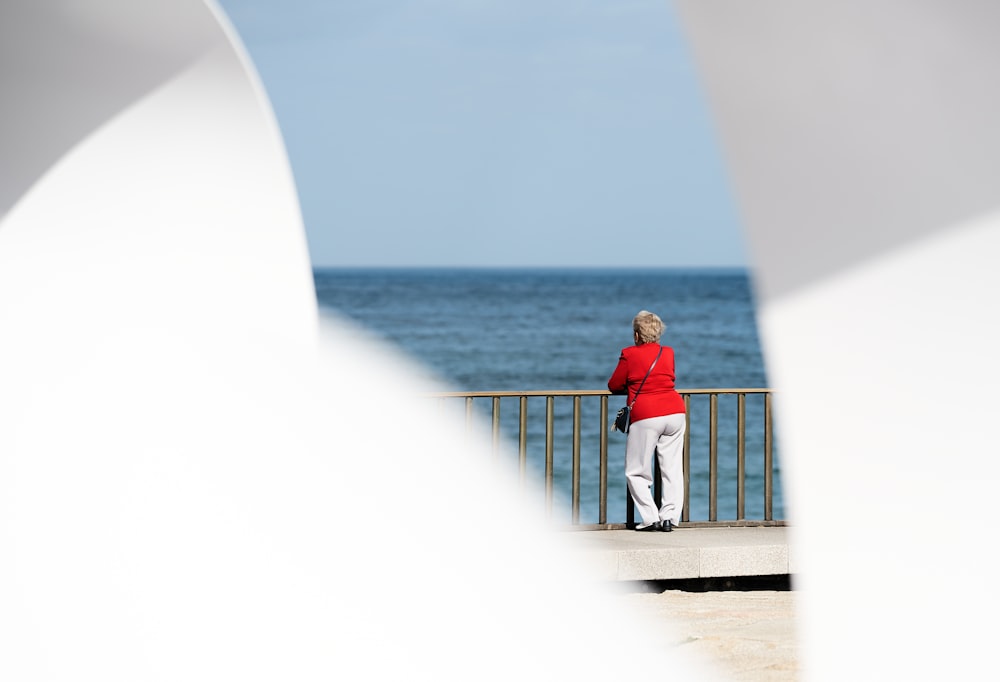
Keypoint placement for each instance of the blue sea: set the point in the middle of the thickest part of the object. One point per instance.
(554, 329)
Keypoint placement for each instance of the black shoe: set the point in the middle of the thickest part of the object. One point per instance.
(666, 526)
(646, 529)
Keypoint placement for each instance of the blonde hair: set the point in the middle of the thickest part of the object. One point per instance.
(648, 326)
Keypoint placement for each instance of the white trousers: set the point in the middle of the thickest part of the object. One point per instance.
(665, 437)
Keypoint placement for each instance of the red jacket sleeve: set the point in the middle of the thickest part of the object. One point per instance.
(617, 383)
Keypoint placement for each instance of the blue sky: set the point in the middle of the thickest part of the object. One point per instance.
(493, 132)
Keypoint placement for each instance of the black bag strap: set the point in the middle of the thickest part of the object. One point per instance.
(645, 377)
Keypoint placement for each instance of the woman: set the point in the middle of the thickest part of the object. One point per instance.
(658, 424)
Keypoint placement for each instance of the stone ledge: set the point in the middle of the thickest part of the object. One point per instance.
(687, 553)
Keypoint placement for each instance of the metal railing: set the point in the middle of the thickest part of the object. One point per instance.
(705, 429)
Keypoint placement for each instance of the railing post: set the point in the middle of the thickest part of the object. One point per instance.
(741, 473)
(713, 457)
(629, 509)
(657, 482)
(686, 513)
(576, 459)
(549, 426)
(768, 464)
(602, 515)
(496, 425)
(522, 439)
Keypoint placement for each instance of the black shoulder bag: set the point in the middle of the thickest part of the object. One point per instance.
(624, 416)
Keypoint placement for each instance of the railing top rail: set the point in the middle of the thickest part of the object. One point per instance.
(691, 391)
(581, 392)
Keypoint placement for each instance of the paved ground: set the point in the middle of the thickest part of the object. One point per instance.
(750, 635)
(720, 593)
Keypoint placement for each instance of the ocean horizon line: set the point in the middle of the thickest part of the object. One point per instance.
(694, 269)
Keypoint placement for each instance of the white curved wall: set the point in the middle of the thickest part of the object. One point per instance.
(863, 148)
(156, 179)
(198, 481)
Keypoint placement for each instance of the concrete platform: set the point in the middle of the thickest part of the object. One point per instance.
(717, 552)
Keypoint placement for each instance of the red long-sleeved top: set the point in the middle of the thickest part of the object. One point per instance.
(658, 397)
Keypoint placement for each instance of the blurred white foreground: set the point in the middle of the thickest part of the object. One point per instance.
(198, 481)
